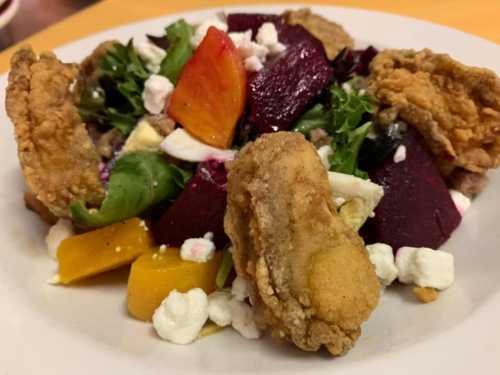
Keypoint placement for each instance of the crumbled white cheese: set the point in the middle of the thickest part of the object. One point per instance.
(57, 233)
(405, 258)
(462, 203)
(54, 280)
(324, 153)
(382, 258)
(267, 36)
(252, 64)
(219, 308)
(433, 269)
(197, 250)
(151, 54)
(181, 316)
(181, 145)
(425, 267)
(202, 29)
(239, 289)
(248, 48)
(209, 236)
(243, 319)
(143, 138)
(156, 93)
(254, 53)
(347, 88)
(162, 249)
(400, 154)
(361, 197)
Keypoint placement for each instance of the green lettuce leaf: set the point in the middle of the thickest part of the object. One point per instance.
(343, 120)
(116, 99)
(137, 182)
(314, 118)
(179, 51)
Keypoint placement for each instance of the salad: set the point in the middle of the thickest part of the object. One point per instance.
(254, 171)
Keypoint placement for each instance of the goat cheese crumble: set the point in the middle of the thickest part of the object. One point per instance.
(255, 53)
(151, 54)
(181, 316)
(400, 154)
(382, 258)
(425, 267)
(243, 319)
(239, 290)
(197, 250)
(462, 203)
(219, 308)
(156, 93)
(202, 29)
(57, 233)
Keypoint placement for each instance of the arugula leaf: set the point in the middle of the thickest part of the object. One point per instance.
(342, 119)
(138, 181)
(346, 129)
(116, 100)
(224, 270)
(180, 50)
(314, 118)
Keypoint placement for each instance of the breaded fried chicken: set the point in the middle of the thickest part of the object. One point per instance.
(312, 281)
(331, 34)
(455, 107)
(58, 159)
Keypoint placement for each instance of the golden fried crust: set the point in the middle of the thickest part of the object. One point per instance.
(455, 107)
(312, 280)
(331, 34)
(58, 158)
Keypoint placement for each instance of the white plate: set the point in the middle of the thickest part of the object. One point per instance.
(84, 330)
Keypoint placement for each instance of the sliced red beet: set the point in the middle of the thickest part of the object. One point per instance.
(287, 85)
(416, 209)
(197, 210)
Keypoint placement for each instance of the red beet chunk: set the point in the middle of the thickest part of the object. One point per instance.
(280, 92)
(416, 209)
(240, 22)
(197, 210)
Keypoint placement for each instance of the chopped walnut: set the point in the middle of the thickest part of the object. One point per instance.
(319, 137)
(468, 183)
(426, 295)
(163, 124)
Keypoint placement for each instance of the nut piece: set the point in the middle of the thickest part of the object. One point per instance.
(426, 295)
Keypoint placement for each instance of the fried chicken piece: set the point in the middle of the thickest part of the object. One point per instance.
(312, 282)
(455, 107)
(58, 158)
(331, 34)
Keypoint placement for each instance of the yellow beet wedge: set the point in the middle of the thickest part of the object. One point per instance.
(101, 250)
(155, 274)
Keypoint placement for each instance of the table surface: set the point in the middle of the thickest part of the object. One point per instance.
(475, 17)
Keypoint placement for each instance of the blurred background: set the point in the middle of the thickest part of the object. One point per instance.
(22, 18)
